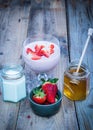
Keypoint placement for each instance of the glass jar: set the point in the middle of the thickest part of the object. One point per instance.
(76, 84)
(13, 83)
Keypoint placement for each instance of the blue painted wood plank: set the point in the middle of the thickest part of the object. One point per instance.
(80, 18)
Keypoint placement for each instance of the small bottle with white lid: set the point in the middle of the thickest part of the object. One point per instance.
(13, 83)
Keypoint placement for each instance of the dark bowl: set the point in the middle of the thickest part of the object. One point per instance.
(45, 110)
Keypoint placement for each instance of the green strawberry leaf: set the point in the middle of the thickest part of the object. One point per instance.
(49, 80)
(38, 92)
(53, 80)
(35, 91)
(43, 80)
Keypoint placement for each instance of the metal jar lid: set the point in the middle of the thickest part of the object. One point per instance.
(12, 71)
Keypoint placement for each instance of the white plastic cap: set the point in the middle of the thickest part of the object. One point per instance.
(90, 31)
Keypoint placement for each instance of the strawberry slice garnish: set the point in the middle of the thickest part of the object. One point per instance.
(35, 57)
(29, 51)
(51, 49)
(45, 53)
(37, 48)
(51, 46)
(40, 50)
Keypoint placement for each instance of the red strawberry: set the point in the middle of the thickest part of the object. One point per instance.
(51, 51)
(39, 96)
(46, 103)
(50, 88)
(45, 53)
(52, 46)
(29, 51)
(51, 98)
(38, 49)
(35, 57)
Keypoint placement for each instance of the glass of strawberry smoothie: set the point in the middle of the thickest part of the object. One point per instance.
(41, 53)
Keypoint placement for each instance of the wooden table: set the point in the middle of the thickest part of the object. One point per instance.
(69, 21)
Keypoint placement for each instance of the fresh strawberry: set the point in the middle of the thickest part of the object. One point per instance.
(45, 53)
(51, 46)
(37, 48)
(50, 88)
(51, 49)
(50, 98)
(35, 57)
(39, 96)
(46, 103)
(39, 51)
(29, 51)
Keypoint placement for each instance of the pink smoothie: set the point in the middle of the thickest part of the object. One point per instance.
(44, 64)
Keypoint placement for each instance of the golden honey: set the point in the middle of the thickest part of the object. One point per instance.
(76, 84)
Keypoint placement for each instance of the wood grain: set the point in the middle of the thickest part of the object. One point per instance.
(79, 20)
(51, 19)
(69, 21)
(13, 30)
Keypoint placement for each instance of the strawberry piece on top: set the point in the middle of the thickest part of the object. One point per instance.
(35, 57)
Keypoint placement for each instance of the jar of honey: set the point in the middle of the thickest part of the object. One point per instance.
(13, 83)
(76, 84)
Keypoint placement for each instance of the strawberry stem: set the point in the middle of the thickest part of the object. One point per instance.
(38, 92)
(49, 80)
(53, 80)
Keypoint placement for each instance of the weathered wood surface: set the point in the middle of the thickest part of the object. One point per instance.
(13, 31)
(69, 21)
(80, 18)
(50, 18)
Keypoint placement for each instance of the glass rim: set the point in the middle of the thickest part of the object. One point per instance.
(12, 71)
(39, 37)
(76, 75)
